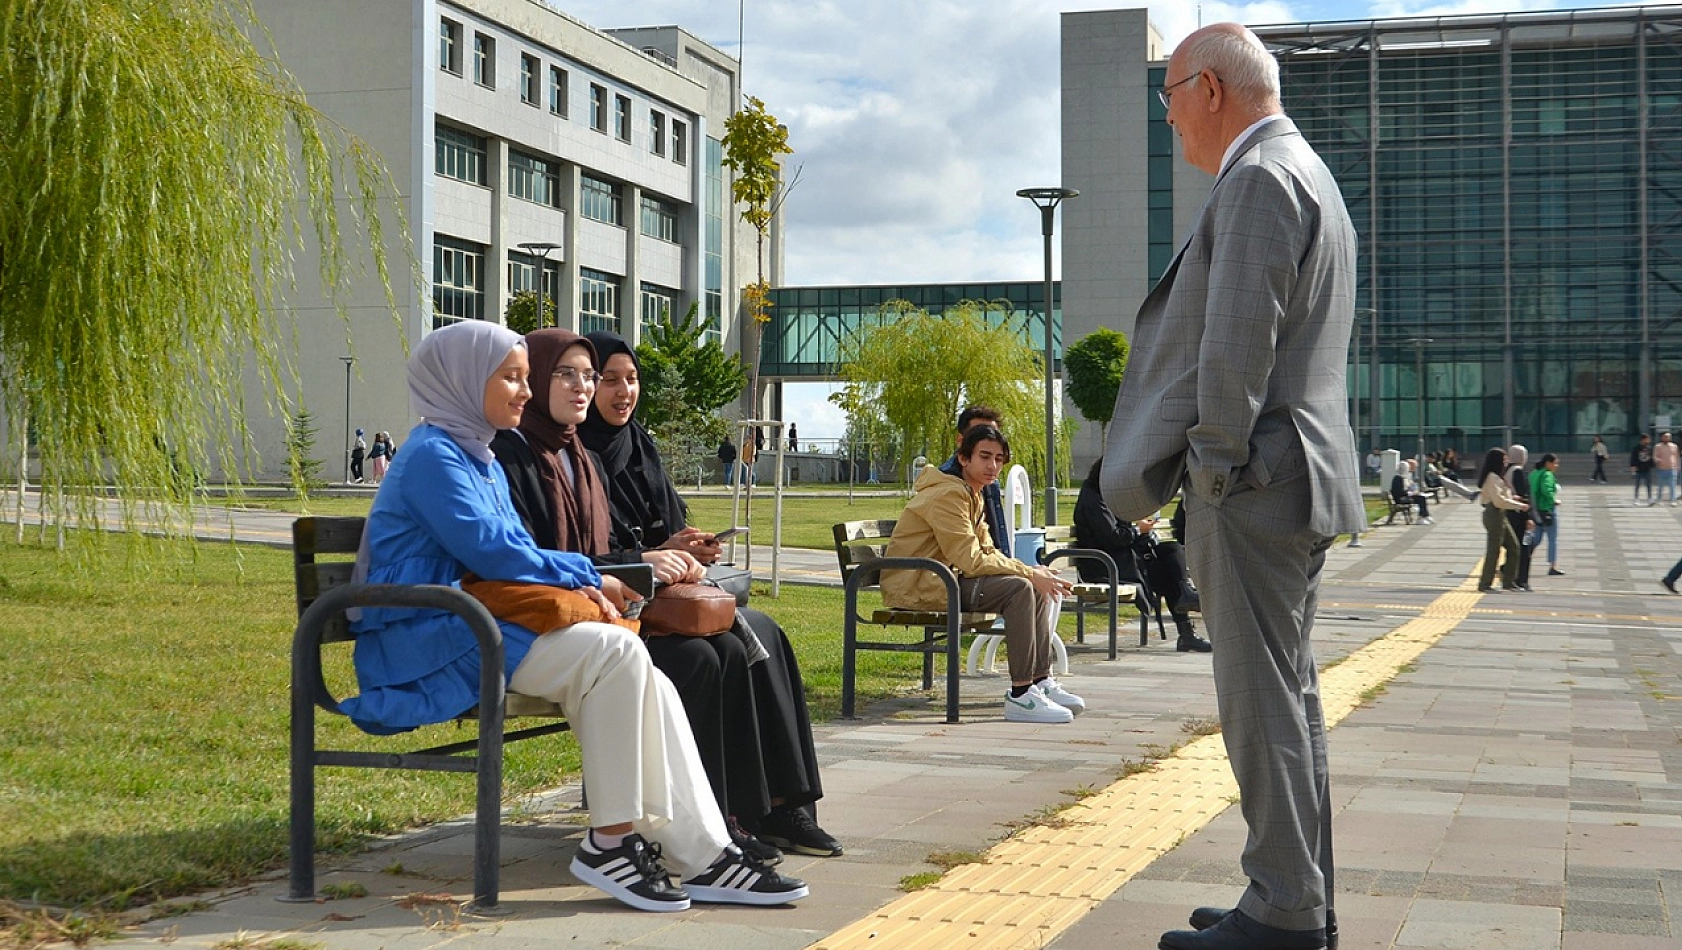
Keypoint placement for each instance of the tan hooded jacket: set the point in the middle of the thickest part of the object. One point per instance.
(945, 521)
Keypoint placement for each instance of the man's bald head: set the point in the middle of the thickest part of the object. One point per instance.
(1220, 80)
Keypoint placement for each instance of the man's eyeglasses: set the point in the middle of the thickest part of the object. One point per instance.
(574, 379)
(1167, 92)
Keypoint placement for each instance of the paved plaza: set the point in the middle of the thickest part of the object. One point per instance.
(1517, 784)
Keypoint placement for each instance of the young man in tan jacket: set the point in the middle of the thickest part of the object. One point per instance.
(945, 520)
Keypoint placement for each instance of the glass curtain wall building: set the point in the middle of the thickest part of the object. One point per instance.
(803, 339)
(1516, 182)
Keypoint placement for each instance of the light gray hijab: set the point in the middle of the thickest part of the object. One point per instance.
(447, 376)
(1516, 454)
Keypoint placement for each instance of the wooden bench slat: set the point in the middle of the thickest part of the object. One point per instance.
(892, 617)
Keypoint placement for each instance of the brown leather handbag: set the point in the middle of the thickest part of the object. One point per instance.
(689, 610)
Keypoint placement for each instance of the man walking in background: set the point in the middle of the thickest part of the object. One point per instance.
(1236, 390)
(1665, 462)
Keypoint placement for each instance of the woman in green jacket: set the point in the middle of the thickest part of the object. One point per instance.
(1544, 495)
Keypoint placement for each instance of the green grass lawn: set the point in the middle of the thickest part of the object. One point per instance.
(143, 724)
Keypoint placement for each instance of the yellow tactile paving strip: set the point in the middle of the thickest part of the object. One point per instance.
(1039, 883)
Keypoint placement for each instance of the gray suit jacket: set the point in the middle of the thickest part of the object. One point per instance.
(1237, 373)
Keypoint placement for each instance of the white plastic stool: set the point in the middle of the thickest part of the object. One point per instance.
(991, 642)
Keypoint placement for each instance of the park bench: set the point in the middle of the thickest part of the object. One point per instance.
(1403, 508)
(860, 547)
(324, 592)
(1089, 598)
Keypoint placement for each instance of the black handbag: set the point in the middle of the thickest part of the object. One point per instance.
(733, 579)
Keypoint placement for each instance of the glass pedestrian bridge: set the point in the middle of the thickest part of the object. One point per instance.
(803, 339)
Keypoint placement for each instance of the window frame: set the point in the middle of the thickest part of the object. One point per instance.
(475, 147)
(484, 59)
(657, 132)
(449, 46)
(593, 191)
(531, 81)
(680, 142)
(598, 107)
(622, 117)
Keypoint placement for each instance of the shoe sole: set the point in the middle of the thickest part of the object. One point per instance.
(730, 895)
(809, 850)
(1039, 722)
(603, 883)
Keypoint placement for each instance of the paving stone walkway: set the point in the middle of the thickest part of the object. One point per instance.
(1520, 786)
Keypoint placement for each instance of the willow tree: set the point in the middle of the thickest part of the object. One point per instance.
(918, 370)
(158, 173)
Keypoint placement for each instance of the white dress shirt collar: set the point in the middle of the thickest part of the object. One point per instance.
(1244, 136)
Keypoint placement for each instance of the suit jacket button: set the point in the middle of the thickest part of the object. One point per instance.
(1218, 488)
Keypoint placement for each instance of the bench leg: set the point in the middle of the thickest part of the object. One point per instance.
(954, 645)
(300, 885)
(928, 659)
(487, 824)
(849, 658)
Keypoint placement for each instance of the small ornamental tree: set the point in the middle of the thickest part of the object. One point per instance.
(528, 310)
(1094, 366)
(754, 143)
(686, 378)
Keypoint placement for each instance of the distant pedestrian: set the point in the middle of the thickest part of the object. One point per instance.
(727, 460)
(1518, 482)
(1641, 467)
(1375, 462)
(1666, 460)
(357, 453)
(1544, 494)
(1497, 501)
(793, 439)
(380, 455)
(1598, 450)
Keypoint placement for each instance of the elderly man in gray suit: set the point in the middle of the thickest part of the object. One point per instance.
(1235, 392)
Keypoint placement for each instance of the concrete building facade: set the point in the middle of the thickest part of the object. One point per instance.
(529, 151)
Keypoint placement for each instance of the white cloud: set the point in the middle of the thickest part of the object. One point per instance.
(917, 122)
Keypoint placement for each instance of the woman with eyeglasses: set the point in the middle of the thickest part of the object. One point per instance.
(559, 492)
(444, 512)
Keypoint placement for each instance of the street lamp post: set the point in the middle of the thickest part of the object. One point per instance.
(349, 362)
(1047, 200)
(543, 249)
(1419, 344)
(1373, 411)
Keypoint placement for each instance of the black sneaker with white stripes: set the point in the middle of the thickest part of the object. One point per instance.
(738, 878)
(630, 873)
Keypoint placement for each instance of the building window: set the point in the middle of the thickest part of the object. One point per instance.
(713, 240)
(659, 219)
(484, 60)
(558, 91)
(656, 132)
(680, 143)
(449, 46)
(598, 108)
(458, 281)
(534, 179)
(523, 276)
(459, 155)
(598, 200)
(598, 301)
(657, 304)
(529, 71)
(622, 118)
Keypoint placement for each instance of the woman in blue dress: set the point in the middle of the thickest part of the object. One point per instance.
(443, 512)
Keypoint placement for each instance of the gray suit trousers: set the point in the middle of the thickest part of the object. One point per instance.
(1258, 567)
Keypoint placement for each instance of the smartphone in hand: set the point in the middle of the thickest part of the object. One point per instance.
(726, 534)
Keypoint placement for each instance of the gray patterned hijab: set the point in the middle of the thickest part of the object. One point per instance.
(447, 376)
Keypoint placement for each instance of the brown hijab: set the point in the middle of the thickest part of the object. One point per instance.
(582, 521)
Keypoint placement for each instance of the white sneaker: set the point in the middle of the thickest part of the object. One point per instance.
(1032, 706)
(1054, 691)
(1426, 521)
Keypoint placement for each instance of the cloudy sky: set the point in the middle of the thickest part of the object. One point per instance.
(915, 121)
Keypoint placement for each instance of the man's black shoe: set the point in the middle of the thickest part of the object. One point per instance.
(1193, 644)
(792, 829)
(1668, 584)
(767, 853)
(1238, 932)
(1203, 918)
